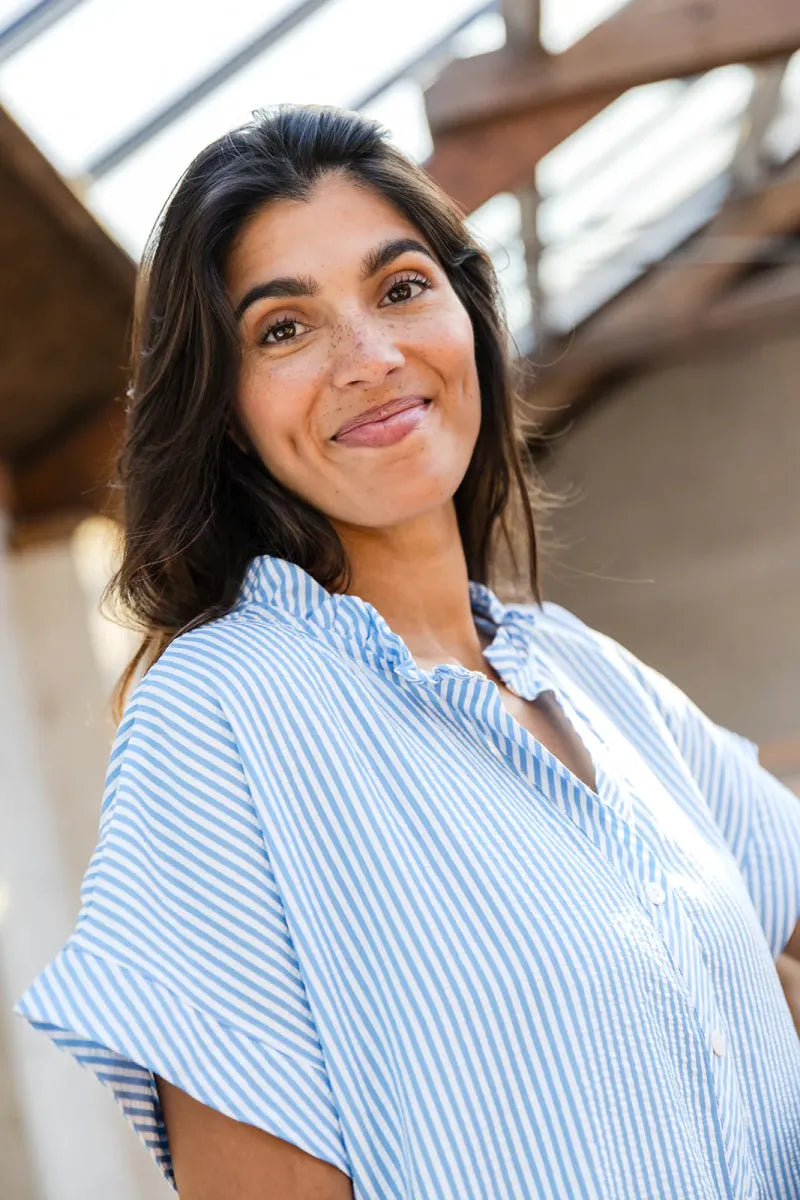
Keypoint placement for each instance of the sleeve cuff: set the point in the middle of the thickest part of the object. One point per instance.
(125, 1026)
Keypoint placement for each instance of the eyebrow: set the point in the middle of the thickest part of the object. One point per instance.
(293, 286)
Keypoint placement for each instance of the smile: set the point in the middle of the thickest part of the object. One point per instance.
(387, 430)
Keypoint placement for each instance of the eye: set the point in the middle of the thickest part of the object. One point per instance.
(284, 329)
(405, 283)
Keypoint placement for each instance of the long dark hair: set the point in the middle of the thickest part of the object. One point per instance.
(196, 506)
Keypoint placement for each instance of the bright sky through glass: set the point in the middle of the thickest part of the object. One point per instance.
(10, 10)
(105, 66)
(301, 68)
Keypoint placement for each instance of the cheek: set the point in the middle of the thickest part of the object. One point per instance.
(274, 402)
(450, 344)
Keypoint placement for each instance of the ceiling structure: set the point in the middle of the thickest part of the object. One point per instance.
(631, 167)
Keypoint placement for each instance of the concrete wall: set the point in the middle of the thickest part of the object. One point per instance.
(684, 541)
(62, 1136)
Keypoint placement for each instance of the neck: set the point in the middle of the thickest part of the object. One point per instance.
(416, 576)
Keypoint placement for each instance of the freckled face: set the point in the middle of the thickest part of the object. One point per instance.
(351, 335)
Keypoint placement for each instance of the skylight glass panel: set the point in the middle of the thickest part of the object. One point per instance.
(401, 105)
(782, 139)
(790, 87)
(401, 110)
(512, 275)
(484, 34)
(300, 68)
(101, 69)
(496, 222)
(11, 11)
(580, 276)
(564, 266)
(694, 165)
(497, 227)
(561, 268)
(564, 22)
(617, 185)
(624, 120)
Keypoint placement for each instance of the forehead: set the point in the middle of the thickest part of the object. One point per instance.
(338, 222)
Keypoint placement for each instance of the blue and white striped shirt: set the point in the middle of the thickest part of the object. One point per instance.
(356, 904)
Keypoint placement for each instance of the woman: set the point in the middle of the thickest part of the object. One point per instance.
(400, 891)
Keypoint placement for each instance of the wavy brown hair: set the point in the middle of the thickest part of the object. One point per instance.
(197, 507)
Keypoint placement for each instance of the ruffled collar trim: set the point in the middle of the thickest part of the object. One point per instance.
(356, 625)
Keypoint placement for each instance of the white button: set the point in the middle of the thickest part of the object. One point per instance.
(655, 893)
(718, 1042)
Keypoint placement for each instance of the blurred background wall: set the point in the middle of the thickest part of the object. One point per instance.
(634, 171)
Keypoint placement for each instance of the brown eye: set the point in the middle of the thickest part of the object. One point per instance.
(402, 289)
(284, 330)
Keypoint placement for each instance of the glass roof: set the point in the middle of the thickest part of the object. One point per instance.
(120, 110)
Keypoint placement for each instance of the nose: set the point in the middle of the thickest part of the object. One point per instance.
(363, 351)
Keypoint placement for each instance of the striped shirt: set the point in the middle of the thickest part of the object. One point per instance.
(356, 904)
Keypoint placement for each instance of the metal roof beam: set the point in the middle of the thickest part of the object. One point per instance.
(29, 24)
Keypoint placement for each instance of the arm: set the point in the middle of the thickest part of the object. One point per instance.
(788, 967)
(217, 1158)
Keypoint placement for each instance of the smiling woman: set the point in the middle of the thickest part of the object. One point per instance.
(305, 271)
(400, 892)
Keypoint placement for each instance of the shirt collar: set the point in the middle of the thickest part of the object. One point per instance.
(356, 625)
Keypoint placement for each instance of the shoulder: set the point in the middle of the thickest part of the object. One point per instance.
(220, 661)
(564, 628)
(605, 665)
(247, 685)
(636, 679)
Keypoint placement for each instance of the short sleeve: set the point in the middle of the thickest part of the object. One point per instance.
(181, 961)
(758, 816)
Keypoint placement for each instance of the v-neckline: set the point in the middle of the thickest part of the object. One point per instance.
(501, 685)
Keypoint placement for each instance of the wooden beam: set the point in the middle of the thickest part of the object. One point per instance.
(523, 30)
(686, 282)
(523, 20)
(21, 158)
(768, 304)
(647, 40)
(750, 164)
(678, 297)
(72, 477)
(475, 165)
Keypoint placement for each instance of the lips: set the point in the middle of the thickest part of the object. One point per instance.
(380, 412)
